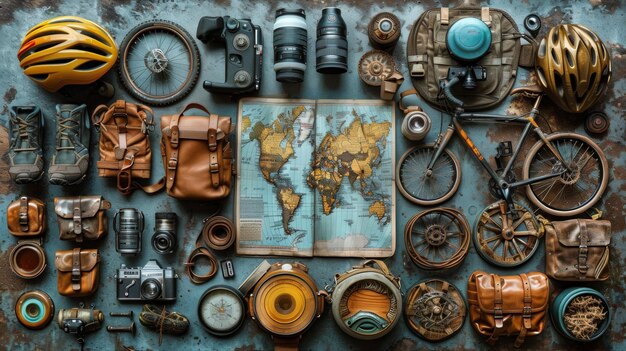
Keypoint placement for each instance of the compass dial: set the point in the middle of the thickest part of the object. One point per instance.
(221, 310)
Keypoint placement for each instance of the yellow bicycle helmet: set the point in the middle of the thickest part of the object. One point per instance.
(573, 66)
(66, 50)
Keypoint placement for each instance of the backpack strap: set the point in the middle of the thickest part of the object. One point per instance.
(214, 150)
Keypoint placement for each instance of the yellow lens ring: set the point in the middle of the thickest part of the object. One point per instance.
(285, 304)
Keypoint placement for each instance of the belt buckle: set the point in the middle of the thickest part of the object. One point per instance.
(214, 167)
(172, 163)
(527, 312)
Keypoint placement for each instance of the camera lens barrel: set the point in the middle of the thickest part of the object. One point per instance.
(128, 224)
(290, 45)
(164, 238)
(331, 46)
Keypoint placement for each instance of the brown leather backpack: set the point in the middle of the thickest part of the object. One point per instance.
(508, 305)
(124, 143)
(578, 250)
(197, 155)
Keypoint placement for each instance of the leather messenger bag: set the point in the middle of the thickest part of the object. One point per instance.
(578, 250)
(508, 305)
(197, 155)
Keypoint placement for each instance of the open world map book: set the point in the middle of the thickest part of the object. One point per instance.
(316, 178)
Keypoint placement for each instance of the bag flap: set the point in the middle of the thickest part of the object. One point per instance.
(89, 206)
(88, 260)
(196, 127)
(512, 292)
(568, 232)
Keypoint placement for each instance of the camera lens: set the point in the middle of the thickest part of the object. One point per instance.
(331, 45)
(290, 45)
(129, 230)
(164, 238)
(150, 289)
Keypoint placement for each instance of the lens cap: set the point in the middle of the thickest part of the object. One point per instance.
(468, 39)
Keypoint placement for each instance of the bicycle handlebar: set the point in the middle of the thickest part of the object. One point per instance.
(446, 86)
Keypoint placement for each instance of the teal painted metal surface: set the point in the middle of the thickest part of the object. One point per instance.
(605, 17)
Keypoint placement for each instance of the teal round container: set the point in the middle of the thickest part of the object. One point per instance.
(468, 39)
(559, 306)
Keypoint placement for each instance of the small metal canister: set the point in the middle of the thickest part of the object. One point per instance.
(128, 225)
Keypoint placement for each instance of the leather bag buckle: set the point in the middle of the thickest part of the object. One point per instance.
(172, 163)
(78, 226)
(527, 312)
(214, 167)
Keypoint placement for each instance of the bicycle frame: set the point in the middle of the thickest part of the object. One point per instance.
(530, 124)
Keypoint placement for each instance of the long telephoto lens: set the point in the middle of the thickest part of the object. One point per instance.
(290, 44)
(332, 45)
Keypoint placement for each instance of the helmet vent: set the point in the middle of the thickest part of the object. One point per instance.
(558, 82)
(38, 76)
(555, 37)
(573, 83)
(592, 80)
(542, 49)
(569, 58)
(90, 65)
(594, 56)
(555, 57)
(89, 48)
(94, 36)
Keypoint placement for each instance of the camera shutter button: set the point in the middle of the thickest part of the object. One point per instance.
(232, 25)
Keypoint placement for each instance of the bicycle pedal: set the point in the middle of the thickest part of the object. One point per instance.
(504, 149)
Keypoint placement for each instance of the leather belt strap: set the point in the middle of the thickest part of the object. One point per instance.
(582, 247)
(497, 302)
(214, 166)
(528, 307)
(76, 269)
(77, 219)
(282, 343)
(23, 213)
(218, 233)
(124, 176)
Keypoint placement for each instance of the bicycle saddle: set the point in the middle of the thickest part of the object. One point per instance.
(531, 91)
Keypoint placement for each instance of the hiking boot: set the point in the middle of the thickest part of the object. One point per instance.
(71, 158)
(26, 142)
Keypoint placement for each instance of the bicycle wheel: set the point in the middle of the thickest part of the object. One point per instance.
(574, 191)
(159, 62)
(437, 239)
(505, 242)
(421, 188)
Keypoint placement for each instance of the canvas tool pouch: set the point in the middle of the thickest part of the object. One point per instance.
(578, 249)
(508, 305)
(81, 218)
(26, 217)
(124, 145)
(197, 155)
(429, 58)
(78, 271)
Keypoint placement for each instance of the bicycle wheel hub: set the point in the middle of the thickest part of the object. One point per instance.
(507, 234)
(156, 61)
(435, 235)
(571, 176)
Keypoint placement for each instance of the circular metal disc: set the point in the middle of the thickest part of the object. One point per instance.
(375, 66)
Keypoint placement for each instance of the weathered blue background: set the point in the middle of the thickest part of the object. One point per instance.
(605, 17)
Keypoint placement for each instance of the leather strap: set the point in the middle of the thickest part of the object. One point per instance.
(528, 308)
(191, 261)
(77, 219)
(404, 94)
(214, 166)
(390, 85)
(124, 176)
(282, 343)
(218, 233)
(497, 302)
(174, 132)
(23, 219)
(76, 269)
(582, 247)
(484, 16)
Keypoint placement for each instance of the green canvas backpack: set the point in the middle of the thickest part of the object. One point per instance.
(429, 59)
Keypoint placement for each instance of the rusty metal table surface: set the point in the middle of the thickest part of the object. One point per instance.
(16, 17)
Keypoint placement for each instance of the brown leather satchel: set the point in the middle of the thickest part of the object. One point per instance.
(508, 305)
(124, 143)
(578, 250)
(78, 271)
(81, 217)
(197, 155)
(26, 217)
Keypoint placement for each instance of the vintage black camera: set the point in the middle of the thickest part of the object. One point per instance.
(147, 283)
(164, 238)
(128, 225)
(244, 52)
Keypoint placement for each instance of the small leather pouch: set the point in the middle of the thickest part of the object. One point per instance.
(26, 217)
(82, 217)
(578, 250)
(78, 271)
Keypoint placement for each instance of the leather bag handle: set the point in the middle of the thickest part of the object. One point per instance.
(174, 132)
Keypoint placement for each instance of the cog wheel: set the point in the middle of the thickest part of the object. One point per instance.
(375, 66)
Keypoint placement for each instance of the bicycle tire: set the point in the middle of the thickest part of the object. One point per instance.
(194, 63)
(492, 254)
(603, 170)
(439, 198)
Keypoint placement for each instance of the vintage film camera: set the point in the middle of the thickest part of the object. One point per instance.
(244, 52)
(147, 283)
